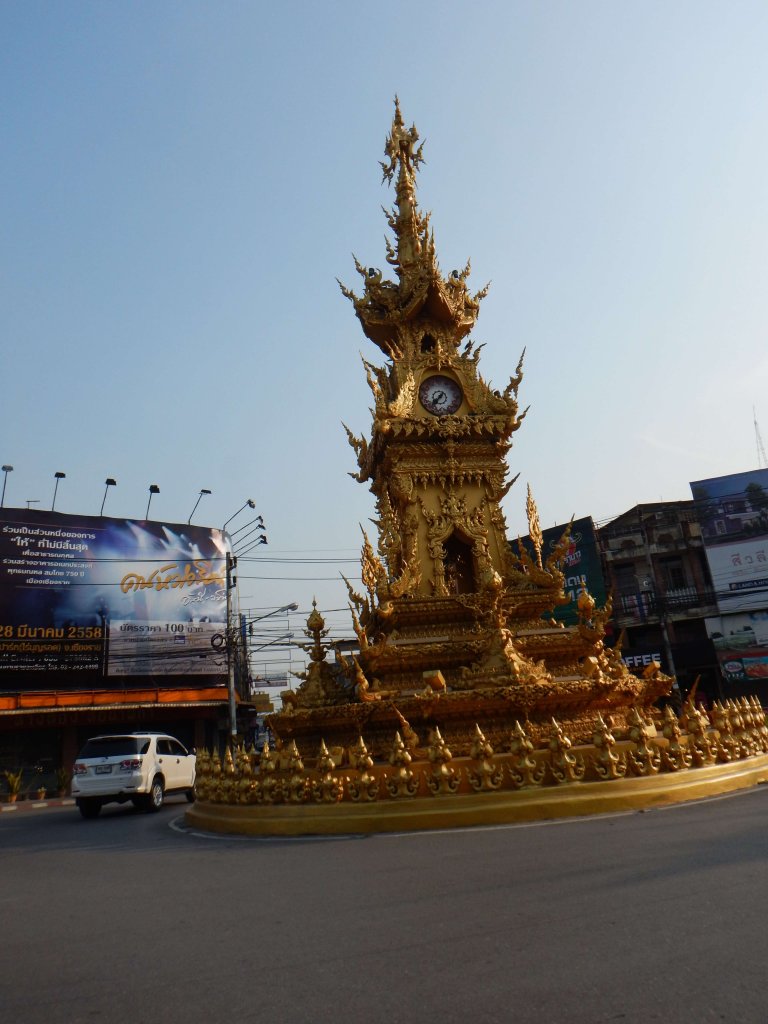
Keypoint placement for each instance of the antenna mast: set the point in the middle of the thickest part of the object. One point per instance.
(762, 461)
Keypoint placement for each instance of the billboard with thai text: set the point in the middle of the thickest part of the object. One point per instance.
(90, 601)
(733, 513)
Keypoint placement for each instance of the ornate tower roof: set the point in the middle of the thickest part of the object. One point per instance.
(420, 293)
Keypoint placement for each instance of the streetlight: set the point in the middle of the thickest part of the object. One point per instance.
(153, 489)
(259, 540)
(247, 629)
(110, 483)
(59, 476)
(259, 527)
(249, 504)
(6, 470)
(293, 607)
(202, 492)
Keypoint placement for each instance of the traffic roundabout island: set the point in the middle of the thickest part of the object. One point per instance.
(659, 762)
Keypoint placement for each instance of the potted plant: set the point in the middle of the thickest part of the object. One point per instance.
(13, 781)
(41, 791)
(62, 781)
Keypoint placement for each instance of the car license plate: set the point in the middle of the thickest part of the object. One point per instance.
(103, 769)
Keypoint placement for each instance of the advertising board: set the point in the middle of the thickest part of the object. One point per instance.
(733, 512)
(86, 601)
(741, 645)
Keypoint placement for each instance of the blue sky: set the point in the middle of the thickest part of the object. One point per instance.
(181, 183)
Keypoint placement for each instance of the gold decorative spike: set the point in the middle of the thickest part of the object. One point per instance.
(202, 774)
(524, 771)
(485, 776)
(725, 745)
(228, 786)
(752, 733)
(409, 737)
(328, 788)
(402, 782)
(675, 757)
(564, 765)
(297, 787)
(242, 776)
(364, 786)
(758, 717)
(442, 779)
(644, 757)
(700, 745)
(534, 526)
(607, 763)
(585, 605)
(741, 731)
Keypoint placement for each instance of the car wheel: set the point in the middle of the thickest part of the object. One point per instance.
(156, 795)
(89, 807)
(190, 795)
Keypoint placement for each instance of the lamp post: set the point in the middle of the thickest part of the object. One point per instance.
(153, 489)
(202, 492)
(110, 483)
(58, 476)
(230, 635)
(249, 504)
(6, 470)
(231, 630)
(247, 630)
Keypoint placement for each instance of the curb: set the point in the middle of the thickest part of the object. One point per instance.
(36, 805)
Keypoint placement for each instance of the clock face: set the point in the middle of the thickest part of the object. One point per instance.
(440, 395)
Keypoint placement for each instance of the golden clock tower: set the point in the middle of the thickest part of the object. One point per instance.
(449, 623)
(466, 701)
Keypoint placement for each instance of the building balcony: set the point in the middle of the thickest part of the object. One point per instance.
(632, 609)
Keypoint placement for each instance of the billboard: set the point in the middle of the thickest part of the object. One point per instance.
(91, 601)
(580, 565)
(741, 645)
(733, 513)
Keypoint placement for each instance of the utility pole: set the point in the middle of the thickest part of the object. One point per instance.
(762, 461)
(230, 637)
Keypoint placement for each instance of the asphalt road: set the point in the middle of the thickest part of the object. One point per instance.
(655, 916)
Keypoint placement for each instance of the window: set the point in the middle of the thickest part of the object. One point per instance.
(113, 746)
(674, 574)
(458, 567)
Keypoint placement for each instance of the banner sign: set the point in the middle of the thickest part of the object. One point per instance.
(741, 645)
(733, 512)
(92, 598)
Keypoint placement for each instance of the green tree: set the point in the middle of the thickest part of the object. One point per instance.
(757, 497)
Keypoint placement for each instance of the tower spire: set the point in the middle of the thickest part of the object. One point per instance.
(394, 314)
(404, 156)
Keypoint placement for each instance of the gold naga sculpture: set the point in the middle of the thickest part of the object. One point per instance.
(465, 687)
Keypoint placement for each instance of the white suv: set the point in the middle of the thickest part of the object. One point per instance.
(141, 767)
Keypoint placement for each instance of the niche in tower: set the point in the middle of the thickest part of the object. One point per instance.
(459, 566)
(427, 343)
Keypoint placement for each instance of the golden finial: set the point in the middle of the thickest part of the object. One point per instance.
(400, 147)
